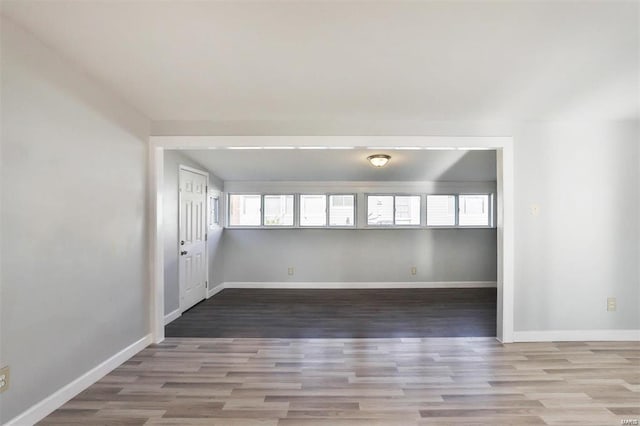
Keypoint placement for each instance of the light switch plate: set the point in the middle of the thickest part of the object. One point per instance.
(534, 210)
(611, 304)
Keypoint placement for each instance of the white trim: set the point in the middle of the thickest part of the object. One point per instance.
(182, 167)
(505, 242)
(505, 211)
(215, 290)
(194, 170)
(54, 401)
(508, 249)
(361, 285)
(172, 316)
(213, 142)
(156, 241)
(355, 186)
(576, 335)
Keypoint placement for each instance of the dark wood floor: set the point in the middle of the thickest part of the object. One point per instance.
(379, 313)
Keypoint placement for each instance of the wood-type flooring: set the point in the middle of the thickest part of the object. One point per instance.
(343, 313)
(372, 382)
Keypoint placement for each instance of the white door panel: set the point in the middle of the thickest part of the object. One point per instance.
(193, 245)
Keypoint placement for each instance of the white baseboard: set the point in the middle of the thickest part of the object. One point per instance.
(172, 316)
(576, 335)
(54, 401)
(215, 290)
(361, 285)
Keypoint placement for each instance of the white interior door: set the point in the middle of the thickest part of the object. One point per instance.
(193, 244)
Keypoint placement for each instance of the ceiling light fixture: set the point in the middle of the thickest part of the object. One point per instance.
(379, 160)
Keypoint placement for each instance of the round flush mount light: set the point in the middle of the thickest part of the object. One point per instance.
(379, 160)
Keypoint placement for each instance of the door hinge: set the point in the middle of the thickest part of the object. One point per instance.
(206, 284)
(206, 237)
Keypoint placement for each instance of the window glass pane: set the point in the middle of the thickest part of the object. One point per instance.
(341, 210)
(313, 210)
(278, 210)
(380, 210)
(441, 210)
(214, 208)
(244, 210)
(474, 210)
(408, 210)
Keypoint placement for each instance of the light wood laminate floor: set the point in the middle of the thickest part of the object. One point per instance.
(391, 381)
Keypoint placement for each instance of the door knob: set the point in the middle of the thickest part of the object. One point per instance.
(183, 252)
(182, 242)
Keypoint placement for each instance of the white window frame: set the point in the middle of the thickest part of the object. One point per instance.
(366, 213)
(455, 212)
(491, 210)
(271, 194)
(355, 210)
(421, 214)
(213, 215)
(424, 211)
(393, 195)
(228, 204)
(326, 211)
(262, 225)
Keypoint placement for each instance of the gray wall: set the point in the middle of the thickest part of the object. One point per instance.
(74, 258)
(376, 255)
(567, 259)
(172, 161)
(583, 247)
(360, 255)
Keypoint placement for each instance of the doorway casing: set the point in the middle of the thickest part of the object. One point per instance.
(505, 194)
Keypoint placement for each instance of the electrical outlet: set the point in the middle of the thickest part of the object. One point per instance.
(290, 270)
(611, 304)
(4, 378)
(414, 270)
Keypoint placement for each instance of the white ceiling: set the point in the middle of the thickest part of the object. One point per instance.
(285, 60)
(346, 165)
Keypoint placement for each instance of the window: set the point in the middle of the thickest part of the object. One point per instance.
(278, 210)
(379, 210)
(313, 210)
(474, 210)
(389, 210)
(244, 210)
(214, 210)
(342, 210)
(441, 210)
(407, 210)
(339, 210)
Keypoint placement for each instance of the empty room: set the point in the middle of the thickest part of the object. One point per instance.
(297, 248)
(319, 212)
